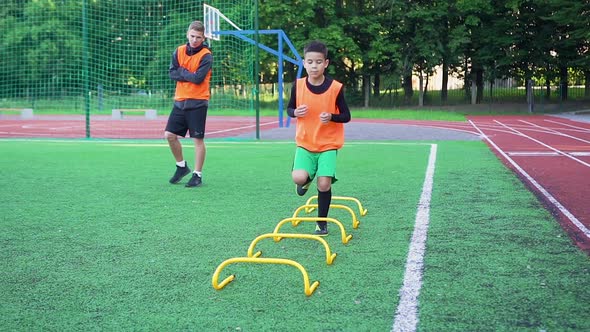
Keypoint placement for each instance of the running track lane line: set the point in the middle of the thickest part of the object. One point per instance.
(545, 145)
(542, 190)
(568, 125)
(243, 127)
(406, 316)
(556, 132)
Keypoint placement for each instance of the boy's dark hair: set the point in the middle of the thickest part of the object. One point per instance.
(316, 46)
(197, 26)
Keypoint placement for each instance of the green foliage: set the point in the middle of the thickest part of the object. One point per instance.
(374, 44)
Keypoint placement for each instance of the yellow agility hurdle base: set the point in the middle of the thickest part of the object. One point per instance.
(345, 238)
(329, 255)
(311, 207)
(308, 289)
(362, 211)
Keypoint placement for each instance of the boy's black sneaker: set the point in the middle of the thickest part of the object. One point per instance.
(319, 231)
(180, 173)
(195, 181)
(302, 189)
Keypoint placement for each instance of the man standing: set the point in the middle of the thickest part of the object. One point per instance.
(191, 69)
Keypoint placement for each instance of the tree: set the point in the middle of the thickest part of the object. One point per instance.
(571, 39)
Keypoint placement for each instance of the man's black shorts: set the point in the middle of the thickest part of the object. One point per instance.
(189, 115)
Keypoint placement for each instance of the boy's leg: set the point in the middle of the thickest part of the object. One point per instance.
(326, 176)
(175, 146)
(176, 127)
(302, 185)
(196, 119)
(324, 201)
(200, 153)
(304, 168)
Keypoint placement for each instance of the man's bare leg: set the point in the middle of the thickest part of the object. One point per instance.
(176, 149)
(200, 152)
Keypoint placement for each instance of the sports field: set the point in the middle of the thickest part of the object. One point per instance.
(95, 238)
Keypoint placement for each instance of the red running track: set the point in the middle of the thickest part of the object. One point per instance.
(552, 157)
(128, 128)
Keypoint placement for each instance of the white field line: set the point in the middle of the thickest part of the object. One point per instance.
(542, 190)
(406, 316)
(212, 143)
(546, 145)
(586, 130)
(556, 132)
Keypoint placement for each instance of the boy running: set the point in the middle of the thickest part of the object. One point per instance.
(317, 101)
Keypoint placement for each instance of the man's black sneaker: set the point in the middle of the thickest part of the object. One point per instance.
(302, 189)
(319, 231)
(180, 173)
(195, 181)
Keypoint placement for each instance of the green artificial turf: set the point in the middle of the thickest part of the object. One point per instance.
(95, 238)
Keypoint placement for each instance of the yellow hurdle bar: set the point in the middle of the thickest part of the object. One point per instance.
(218, 286)
(277, 237)
(311, 207)
(362, 211)
(329, 256)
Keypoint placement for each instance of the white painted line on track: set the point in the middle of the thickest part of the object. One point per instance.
(459, 129)
(532, 154)
(546, 154)
(569, 125)
(406, 316)
(556, 132)
(545, 145)
(542, 190)
(239, 128)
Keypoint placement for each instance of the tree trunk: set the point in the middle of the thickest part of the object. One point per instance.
(586, 83)
(426, 88)
(421, 89)
(473, 93)
(408, 89)
(367, 89)
(444, 93)
(547, 88)
(479, 84)
(563, 83)
(467, 80)
(377, 85)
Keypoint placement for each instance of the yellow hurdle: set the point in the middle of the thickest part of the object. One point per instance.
(362, 211)
(277, 237)
(311, 207)
(329, 256)
(308, 289)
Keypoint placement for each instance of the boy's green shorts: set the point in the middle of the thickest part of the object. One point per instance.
(316, 163)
